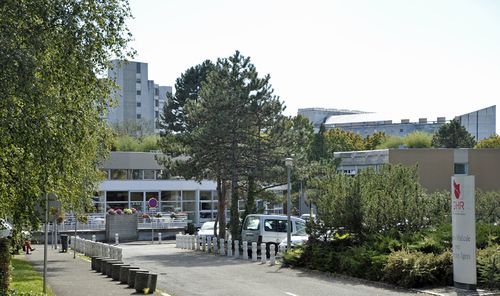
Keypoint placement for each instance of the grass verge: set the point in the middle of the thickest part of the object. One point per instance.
(25, 278)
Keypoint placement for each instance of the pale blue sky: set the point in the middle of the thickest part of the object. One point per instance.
(422, 58)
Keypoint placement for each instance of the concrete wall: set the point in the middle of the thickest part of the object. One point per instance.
(435, 166)
(485, 165)
(125, 225)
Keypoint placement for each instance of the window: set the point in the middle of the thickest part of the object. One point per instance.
(401, 130)
(461, 169)
(117, 196)
(161, 175)
(251, 223)
(157, 92)
(138, 80)
(138, 68)
(275, 225)
(138, 116)
(134, 175)
(138, 92)
(118, 174)
(149, 174)
(139, 104)
(157, 114)
(157, 103)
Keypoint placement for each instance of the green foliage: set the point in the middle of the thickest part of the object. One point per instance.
(492, 141)
(488, 206)
(339, 140)
(418, 140)
(190, 229)
(371, 142)
(488, 267)
(293, 257)
(129, 143)
(53, 55)
(453, 135)
(391, 142)
(416, 269)
(318, 149)
(25, 280)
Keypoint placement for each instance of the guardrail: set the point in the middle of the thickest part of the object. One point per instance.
(98, 249)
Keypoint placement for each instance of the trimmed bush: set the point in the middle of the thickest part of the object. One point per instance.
(488, 267)
(416, 269)
(293, 257)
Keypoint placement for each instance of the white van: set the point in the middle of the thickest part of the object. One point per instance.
(270, 229)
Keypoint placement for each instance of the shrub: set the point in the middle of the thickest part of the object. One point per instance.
(488, 267)
(418, 140)
(128, 211)
(416, 269)
(190, 229)
(119, 212)
(293, 257)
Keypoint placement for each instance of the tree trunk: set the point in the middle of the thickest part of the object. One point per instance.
(4, 265)
(221, 210)
(250, 204)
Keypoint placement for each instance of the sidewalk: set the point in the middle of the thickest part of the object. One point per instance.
(73, 277)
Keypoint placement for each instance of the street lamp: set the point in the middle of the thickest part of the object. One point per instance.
(288, 164)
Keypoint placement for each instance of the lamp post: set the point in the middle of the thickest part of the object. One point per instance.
(288, 164)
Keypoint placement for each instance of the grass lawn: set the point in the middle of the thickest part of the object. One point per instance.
(24, 278)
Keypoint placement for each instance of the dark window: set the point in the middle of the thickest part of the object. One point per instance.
(116, 196)
(118, 174)
(460, 169)
(138, 67)
(138, 92)
(157, 103)
(400, 130)
(251, 223)
(157, 92)
(138, 104)
(138, 116)
(138, 80)
(157, 114)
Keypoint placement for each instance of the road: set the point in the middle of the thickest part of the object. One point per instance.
(190, 273)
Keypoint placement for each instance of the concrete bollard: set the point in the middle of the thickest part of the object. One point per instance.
(236, 249)
(254, 251)
(141, 282)
(152, 279)
(193, 242)
(216, 247)
(124, 273)
(203, 244)
(159, 238)
(116, 239)
(197, 243)
(115, 271)
(132, 274)
(263, 255)
(229, 248)
(109, 267)
(209, 244)
(93, 238)
(245, 250)
(177, 241)
(222, 252)
(272, 255)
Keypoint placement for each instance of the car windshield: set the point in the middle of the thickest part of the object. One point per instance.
(301, 227)
(251, 223)
(208, 225)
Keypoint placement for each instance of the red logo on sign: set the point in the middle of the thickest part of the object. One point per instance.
(456, 189)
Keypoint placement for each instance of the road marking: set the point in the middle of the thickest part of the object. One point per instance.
(291, 294)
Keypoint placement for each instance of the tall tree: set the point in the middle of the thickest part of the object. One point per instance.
(453, 135)
(318, 148)
(53, 55)
(340, 140)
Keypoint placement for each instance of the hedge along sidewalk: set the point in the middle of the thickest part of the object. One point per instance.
(74, 277)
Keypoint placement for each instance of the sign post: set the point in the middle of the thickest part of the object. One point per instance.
(463, 232)
(152, 204)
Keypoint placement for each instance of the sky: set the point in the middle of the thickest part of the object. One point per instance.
(424, 58)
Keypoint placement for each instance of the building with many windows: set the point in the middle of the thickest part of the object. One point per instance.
(138, 100)
(481, 123)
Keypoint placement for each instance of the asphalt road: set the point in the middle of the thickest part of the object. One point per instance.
(189, 273)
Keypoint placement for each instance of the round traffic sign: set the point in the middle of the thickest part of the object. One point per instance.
(152, 202)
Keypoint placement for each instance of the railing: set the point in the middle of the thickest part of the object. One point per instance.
(91, 248)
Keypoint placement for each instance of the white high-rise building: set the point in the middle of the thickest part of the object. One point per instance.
(137, 101)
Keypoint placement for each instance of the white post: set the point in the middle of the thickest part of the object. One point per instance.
(159, 238)
(197, 242)
(245, 250)
(222, 251)
(203, 243)
(263, 255)
(229, 248)
(254, 251)
(93, 238)
(193, 242)
(272, 257)
(116, 239)
(216, 248)
(209, 244)
(236, 249)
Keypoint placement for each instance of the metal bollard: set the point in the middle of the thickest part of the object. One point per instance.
(116, 239)
(222, 251)
(263, 255)
(245, 250)
(93, 238)
(216, 247)
(236, 249)
(229, 248)
(254, 251)
(272, 255)
(159, 238)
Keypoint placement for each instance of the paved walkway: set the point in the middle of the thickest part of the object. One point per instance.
(73, 277)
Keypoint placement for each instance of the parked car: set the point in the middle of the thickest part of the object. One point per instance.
(207, 229)
(296, 240)
(5, 229)
(270, 229)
